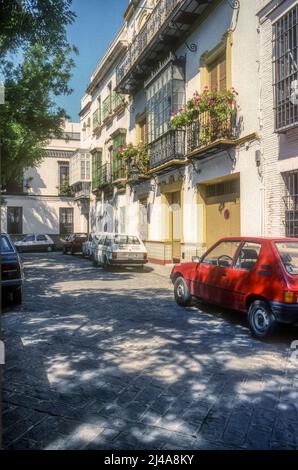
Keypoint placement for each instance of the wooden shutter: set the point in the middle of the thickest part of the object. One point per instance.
(222, 74)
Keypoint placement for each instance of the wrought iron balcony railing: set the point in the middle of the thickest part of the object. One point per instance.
(102, 177)
(206, 130)
(168, 147)
(82, 194)
(161, 13)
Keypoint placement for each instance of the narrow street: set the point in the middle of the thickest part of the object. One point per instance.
(107, 360)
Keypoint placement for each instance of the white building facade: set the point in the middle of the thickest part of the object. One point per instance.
(194, 190)
(44, 203)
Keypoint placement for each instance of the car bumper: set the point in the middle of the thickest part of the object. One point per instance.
(127, 262)
(12, 283)
(284, 312)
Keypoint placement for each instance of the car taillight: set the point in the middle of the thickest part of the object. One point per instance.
(114, 255)
(145, 255)
(290, 296)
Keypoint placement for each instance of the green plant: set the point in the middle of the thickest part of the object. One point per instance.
(65, 189)
(135, 156)
(215, 107)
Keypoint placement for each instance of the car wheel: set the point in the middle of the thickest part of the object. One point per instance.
(261, 320)
(49, 249)
(17, 296)
(105, 263)
(181, 292)
(72, 251)
(83, 254)
(94, 261)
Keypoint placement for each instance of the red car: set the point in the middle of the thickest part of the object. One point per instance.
(74, 243)
(254, 275)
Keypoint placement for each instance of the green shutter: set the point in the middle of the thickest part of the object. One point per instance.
(96, 169)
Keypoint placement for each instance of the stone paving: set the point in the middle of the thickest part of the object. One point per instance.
(107, 360)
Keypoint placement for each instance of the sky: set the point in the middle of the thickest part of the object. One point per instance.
(97, 22)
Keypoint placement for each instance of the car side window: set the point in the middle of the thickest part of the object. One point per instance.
(29, 238)
(248, 256)
(222, 254)
(41, 238)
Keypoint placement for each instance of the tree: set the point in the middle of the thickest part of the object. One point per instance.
(27, 22)
(29, 117)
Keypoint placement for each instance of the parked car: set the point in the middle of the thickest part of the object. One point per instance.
(90, 244)
(11, 269)
(73, 243)
(258, 276)
(115, 249)
(35, 242)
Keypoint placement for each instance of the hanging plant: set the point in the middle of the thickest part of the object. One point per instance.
(134, 156)
(215, 107)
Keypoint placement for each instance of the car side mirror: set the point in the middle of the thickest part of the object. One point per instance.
(195, 259)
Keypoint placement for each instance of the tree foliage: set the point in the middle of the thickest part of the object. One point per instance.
(37, 64)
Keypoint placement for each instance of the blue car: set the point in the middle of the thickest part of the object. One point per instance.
(12, 275)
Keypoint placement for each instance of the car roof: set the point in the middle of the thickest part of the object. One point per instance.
(259, 239)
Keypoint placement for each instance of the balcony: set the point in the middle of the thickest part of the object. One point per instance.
(119, 173)
(206, 135)
(82, 191)
(102, 178)
(79, 167)
(112, 105)
(167, 151)
(168, 23)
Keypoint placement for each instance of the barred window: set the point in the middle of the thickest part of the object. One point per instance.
(66, 220)
(285, 38)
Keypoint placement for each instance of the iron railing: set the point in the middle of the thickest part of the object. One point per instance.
(82, 193)
(206, 129)
(156, 20)
(169, 146)
(291, 215)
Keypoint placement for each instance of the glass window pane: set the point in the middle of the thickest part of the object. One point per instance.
(222, 254)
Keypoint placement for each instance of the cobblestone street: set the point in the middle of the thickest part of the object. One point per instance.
(107, 360)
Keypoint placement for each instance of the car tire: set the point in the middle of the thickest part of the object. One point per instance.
(105, 264)
(94, 261)
(64, 250)
(83, 254)
(72, 251)
(17, 296)
(261, 320)
(181, 292)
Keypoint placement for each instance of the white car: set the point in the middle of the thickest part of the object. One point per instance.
(90, 244)
(36, 242)
(117, 249)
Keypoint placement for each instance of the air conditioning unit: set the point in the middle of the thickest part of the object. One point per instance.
(294, 92)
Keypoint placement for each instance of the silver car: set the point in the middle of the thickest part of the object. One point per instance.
(90, 244)
(35, 242)
(117, 249)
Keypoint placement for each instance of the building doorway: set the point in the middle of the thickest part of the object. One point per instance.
(174, 201)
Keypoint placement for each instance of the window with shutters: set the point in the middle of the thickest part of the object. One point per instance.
(119, 170)
(96, 169)
(217, 74)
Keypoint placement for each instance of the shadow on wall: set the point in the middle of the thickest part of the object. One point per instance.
(34, 180)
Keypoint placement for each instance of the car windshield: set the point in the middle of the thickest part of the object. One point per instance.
(125, 240)
(288, 252)
(5, 245)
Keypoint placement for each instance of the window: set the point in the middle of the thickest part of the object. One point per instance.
(248, 256)
(96, 169)
(285, 39)
(222, 254)
(118, 166)
(217, 74)
(29, 238)
(165, 96)
(41, 238)
(63, 175)
(142, 131)
(5, 245)
(15, 220)
(66, 220)
(291, 203)
(288, 252)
